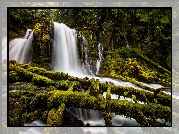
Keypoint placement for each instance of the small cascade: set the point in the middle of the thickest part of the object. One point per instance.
(25, 58)
(65, 59)
(19, 48)
(98, 63)
(93, 117)
(86, 66)
(27, 33)
(88, 114)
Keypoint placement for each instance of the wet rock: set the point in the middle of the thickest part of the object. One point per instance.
(69, 119)
(87, 125)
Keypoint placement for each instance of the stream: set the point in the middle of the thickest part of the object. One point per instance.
(66, 60)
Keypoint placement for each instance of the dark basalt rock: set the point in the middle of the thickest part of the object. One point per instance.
(69, 119)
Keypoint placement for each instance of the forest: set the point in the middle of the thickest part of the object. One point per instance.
(124, 44)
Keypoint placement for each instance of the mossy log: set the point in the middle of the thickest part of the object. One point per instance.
(134, 81)
(46, 79)
(62, 91)
(55, 116)
(122, 107)
(107, 112)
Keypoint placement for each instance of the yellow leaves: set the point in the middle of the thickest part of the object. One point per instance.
(45, 37)
(131, 67)
(37, 28)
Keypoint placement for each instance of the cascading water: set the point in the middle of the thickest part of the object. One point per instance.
(19, 48)
(65, 56)
(65, 59)
(25, 58)
(98, 63)
(86, 63)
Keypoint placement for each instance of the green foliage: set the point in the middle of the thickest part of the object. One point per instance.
(147, 29)
(19, 21)
(131, 64)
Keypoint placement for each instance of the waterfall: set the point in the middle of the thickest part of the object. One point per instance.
(25, 58)
(98, 63)
(27, 33)
(19, 48)
(65, 56)
(65, 59)
(86, 66)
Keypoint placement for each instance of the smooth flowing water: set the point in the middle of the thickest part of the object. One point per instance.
(65, 56)
(65, 59)
(86, 65)
(19, 48)
(98, 63)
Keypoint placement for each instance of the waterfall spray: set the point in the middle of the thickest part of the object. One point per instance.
(98, 63)
(19, 48)
(25, 58)
(65, 56)
(86, 63)
(65, 59)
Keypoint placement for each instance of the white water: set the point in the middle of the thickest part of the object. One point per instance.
(117, 120)
(87, 68)
(98, 63)
(19, 48)
(65, 59)
(65, 56)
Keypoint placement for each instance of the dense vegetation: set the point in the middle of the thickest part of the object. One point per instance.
(137, 47)
(48, 92)
(147, 29)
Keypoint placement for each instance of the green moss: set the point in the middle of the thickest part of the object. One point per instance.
(108, 94)
(107, 117)
(13, 62)
(55, 116)
(16, 120)
(131, 63)
(61, 88)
